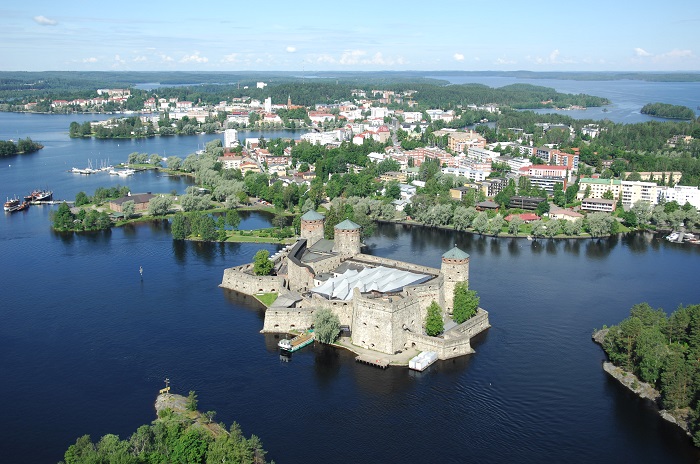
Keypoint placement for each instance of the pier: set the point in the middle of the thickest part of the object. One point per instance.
(372, 361)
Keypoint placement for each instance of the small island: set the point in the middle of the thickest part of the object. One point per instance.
(655, 356)
(22, 147)
(179, 434)
(668, 111)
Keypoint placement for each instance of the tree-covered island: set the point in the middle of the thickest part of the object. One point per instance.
(665, 110)
(664, 352)
(21, 147)
(180, 434)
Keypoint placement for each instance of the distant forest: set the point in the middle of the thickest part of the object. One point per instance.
(211, 88)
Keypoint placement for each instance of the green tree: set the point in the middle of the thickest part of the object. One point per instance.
(434, 324)
(192, 401)
(180, 227)
(81, 199)
(466, 303)
(481, 222)
(262, 265)
(128, 208)
(326, 325)
(514, 225)
(160, 205)
(63, 218)
(542, 208)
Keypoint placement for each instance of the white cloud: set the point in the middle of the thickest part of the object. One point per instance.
(554, 56)
(677, 54)
(641, 52)
(44, 21)
(92, 59)
(194, 58)
(504, 61)
(118, 60)
(232, 58)
(291, 49)
(140, 59)
(352, 56)
(166, 58)
(458, 57)
(325, 59)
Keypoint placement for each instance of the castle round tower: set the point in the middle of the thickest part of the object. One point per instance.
(312, 227)
(454, 269)
(347, 238)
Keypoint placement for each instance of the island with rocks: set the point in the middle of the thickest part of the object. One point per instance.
(656, 357)
(180, 433)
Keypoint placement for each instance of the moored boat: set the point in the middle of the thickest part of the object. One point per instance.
(10, 204)
(39, 195)
(296, 343)
(44, 195)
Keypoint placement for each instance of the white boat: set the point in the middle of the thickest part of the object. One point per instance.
(122, 172)
(673, 237)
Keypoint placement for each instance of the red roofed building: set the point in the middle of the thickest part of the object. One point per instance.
(527, 217)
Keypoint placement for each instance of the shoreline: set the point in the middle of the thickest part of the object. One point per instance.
(641, 389)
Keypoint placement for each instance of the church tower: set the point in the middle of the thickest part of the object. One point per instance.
(347, 238)
(454, 269)
(312, 227)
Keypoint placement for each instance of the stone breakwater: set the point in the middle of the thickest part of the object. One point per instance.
(642, 389)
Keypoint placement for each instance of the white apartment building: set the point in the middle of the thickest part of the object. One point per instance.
(230, 138)
(633, 191)
(681, 194)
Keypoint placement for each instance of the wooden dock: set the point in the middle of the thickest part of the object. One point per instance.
(372, 361)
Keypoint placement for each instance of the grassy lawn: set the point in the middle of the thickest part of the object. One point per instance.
(266, 298)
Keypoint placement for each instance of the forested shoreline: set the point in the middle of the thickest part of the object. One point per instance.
(663, 351)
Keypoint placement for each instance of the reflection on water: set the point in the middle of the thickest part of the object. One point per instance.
(327, 364)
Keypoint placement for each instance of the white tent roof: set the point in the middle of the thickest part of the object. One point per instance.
(380, 279)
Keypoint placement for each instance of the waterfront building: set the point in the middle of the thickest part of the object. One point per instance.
(598, 205)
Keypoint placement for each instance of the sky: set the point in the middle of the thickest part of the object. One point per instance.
(361, 35)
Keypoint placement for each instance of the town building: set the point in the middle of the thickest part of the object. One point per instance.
(681, 194)
(598, 205)
(523, 202)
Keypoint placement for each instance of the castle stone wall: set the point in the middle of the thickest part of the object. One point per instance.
(287, 319)
(301, 279)
(326, 265)
(445, 349)
(242, 279)
(471, 326)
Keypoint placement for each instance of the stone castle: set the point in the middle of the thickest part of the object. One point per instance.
(382, 302)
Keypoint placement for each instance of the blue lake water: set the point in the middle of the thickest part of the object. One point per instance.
(627, 97)
(85, 343)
